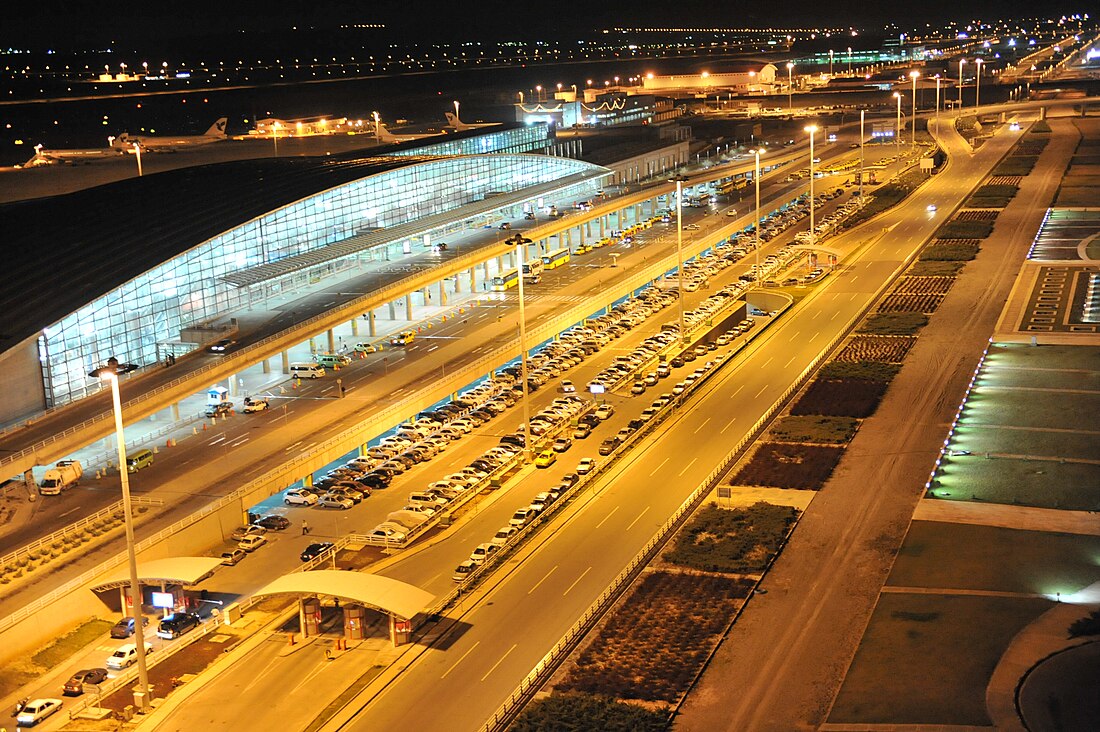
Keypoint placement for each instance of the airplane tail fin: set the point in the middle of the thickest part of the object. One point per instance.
(455, 122)
(384, 135)
(218, 128)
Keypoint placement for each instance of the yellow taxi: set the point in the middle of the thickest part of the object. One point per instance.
(546, 458)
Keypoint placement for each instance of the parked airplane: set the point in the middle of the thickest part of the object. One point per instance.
(149, 143)
(43, 156)
(455, 123)
(383, 135)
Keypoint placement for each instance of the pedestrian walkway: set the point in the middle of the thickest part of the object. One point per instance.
(1024, 518)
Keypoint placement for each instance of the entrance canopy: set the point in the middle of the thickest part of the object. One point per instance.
(380, 593)
(169, 571)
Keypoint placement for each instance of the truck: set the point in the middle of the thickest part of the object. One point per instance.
(61, 477)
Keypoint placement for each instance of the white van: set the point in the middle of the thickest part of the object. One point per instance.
(307, 370)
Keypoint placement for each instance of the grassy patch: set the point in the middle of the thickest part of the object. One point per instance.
(893, 324)
(17, 674)
(926, 659)
(935, 268)
(841, 398)
(965, 230)
(860, 371)
(732, 540)
(782, 465)
(1016, 165)
(657, 639)
(888, 196)
(996, 559)
(561, 712)
(954, 252)
(815, 428)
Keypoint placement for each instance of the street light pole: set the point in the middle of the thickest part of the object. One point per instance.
(937, 96)
(756, 224)
(520, 243)
(913, 135)
(110, 373)
(961, 62)
(897, 133)
(790, 87)
(137, 153)
(813, 233)
(978, 85)
(862, 137)
(679, 180)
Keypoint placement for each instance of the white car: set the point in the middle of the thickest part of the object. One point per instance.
(126, 656)
(605, 411)
(586, 465)
(931, 207)
(331, 500)
(503, 536)
(254, 542)
(299, 497)
(567, 387)
(37, 710)
(387, 533)
(255, 405)
(482, 551)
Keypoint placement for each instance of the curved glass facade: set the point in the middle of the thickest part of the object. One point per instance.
(136, 321)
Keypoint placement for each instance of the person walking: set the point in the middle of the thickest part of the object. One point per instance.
(305, 528)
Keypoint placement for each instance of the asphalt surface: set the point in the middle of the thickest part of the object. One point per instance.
(788, 653)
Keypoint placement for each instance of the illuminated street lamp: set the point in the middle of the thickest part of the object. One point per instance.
(110, 373)
(913, 75)
(937, 96)
(137, 154)
(679, 181)
(756, 224)
(813, 234)
(849, 60)
(790, 102)
(830, 63)
(897, 132)
(862, 138)
(538, 91)
(978, 84)
(961, 62)
(520, 242)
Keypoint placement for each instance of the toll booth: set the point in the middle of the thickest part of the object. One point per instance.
(216, 395)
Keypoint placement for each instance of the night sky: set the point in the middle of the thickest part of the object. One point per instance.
(85, 24)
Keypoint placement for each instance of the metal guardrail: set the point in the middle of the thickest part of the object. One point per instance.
(24, 552)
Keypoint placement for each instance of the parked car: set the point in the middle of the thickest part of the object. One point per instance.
(583, 431)
(562, 444)
(482, 551)
(125, 627)
(35, 711)
(255, 405)
(252, 543)
(545, 459)
(231, 557)
(334, 500)
(299, 497)
(523, 516)
(126, 656)
(315, 550)
(504, 535)
(91, 676)
(241, 532)
(586, 465)
(463, 570)
(273, 522)
(177, 624)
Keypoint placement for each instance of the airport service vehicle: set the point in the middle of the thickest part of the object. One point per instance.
(61, 477)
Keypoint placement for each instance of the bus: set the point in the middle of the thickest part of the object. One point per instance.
(504, 282)
(532, 268)
(555, 258)
(732, 185)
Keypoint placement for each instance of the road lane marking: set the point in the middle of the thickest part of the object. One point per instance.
(834, 315)
(605, 518)
(643, 513)
(790, 362)
(291, 447)
(461, 659)
(536, 585)
(239, 441)
(654, 471)
(795, 336)
(216, 440)
(728, 425)
(762, 390)
(686, 468)
(704, 424)
(494, 668)
(764, 365)
(738, 390)
(567, 589)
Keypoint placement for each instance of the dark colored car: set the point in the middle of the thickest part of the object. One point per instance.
(608, 446)
(375, 481)
(222, 346)
(75, 685)
(274, 522)
(315, 550)
(219, 409)
(570, 479)
(125, 627)
(177, 624)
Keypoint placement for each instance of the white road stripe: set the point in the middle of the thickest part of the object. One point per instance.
(567, 589)
(605, 518)
(460, 660)
(544, 577)
(643, 513)
(688, 466)
(494, 668)
(656, 469)
(701, 426)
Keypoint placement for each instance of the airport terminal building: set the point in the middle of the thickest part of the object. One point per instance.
(123, 270)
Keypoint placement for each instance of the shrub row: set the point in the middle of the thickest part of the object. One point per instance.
(732, 539)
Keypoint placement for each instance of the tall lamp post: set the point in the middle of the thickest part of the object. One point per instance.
(961, 62)
(137, 153)
(679, 181)
(862, 138)
(978, 84)
(937, 96)
(520, 242)
(897, 129)
(110, 373)
(790, 88)
(813, 232)
(913, 135)
(756, 221)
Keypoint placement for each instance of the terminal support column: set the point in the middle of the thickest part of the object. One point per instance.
(409, 307)
(393, 309)
(372, 327)
(355, 326)
(286, 362)
(331, 341)
(473, 280)
(442, 293)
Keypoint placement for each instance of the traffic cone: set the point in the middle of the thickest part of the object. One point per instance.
(98, 475)
(194, 430)
(155, 452)
(204, 425)
(170, 443)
